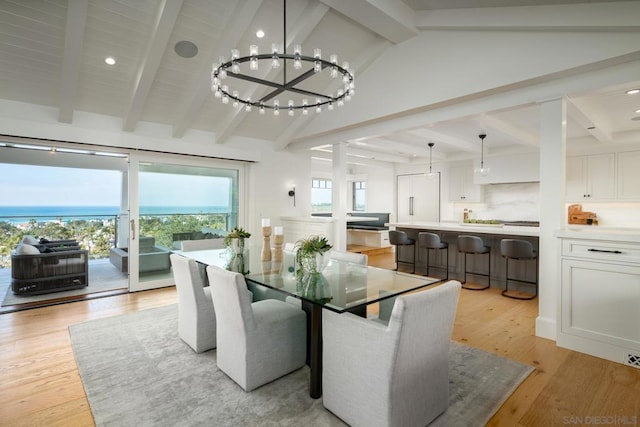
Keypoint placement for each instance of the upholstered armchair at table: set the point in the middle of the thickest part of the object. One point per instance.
(356, 258)
(196, 315)
(395, 374)
(257, 342)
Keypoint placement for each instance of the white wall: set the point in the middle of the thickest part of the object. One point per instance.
(269, 183)
(380, 191)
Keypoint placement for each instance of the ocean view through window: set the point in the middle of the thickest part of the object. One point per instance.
(85, 204)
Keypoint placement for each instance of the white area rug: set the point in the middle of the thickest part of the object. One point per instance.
(137, 372)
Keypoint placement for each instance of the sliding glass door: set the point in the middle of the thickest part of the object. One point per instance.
(177, 200)
(64, 200)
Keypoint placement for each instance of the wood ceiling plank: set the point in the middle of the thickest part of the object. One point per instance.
(74, 37)
(167, 16)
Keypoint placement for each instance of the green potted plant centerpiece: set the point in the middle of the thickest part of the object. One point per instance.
(235, 239)
(309, 253)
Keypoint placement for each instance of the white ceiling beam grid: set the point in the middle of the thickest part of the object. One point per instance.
(589, 121)
(486, 121)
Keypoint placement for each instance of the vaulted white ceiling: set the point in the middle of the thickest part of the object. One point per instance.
(52, 53)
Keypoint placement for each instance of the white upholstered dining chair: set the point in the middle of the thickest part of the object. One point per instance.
(196, 315)
(395, 374)
(257, 342)
(203, 244)
(356, 258)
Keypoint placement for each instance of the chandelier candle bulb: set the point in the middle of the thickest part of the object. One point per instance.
(278, 230)
(266, 222)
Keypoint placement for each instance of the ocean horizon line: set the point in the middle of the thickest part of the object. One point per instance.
(20, 212)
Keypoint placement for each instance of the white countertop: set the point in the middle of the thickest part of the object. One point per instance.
(470, 228)
(595, 232)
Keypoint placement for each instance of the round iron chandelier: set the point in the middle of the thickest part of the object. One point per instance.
(305, 98)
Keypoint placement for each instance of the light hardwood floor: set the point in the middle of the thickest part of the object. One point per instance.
(40, 384)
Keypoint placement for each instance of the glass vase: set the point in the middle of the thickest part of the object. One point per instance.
(237, 245)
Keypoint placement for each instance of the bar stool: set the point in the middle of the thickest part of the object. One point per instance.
(430, 241)
(399, 238)
(521, 250)
(474, 245)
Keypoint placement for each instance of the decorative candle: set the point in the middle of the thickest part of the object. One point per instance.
(265, 255)
(277, 230)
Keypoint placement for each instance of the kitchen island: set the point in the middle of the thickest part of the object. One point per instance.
(492, 234)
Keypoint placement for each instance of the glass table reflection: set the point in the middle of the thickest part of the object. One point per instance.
(340, 286)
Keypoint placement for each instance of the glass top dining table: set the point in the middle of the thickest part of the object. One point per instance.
(340, 286)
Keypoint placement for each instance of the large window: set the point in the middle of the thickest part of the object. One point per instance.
(182, 198)
(320, 195)
(359, 193)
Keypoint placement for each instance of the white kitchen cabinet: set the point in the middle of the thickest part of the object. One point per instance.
(628, 171)
(461, 186)
(418, 198)
(600, 299)
(591, 177)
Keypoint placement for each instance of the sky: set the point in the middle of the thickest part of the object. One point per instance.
(25, 185)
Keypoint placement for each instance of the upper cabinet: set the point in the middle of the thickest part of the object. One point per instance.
(629, 175)
(591, 177)
(461, 186)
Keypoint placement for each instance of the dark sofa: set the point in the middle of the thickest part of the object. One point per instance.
(378, 220)
(60, 266)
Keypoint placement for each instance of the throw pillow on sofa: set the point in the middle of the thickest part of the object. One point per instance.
(25, 249)
(29, 240)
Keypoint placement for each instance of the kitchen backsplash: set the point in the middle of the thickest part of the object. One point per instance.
(615, 214)
(510, 202)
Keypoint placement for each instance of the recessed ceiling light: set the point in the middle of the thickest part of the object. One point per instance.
(633, 91)
(260, 34)
(110, 60)
(186, 49)
(638, 110)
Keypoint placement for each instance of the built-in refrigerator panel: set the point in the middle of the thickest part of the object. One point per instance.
(418, 197)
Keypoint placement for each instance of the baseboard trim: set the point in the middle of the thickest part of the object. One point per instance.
(546, 328)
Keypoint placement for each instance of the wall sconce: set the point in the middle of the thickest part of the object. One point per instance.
(292, 193)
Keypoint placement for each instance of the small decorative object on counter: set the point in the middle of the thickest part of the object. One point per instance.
(577, 216)
(265, 255)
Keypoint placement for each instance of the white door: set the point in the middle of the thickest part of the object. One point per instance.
(426, 192)
(418, 198)
(405, 198)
